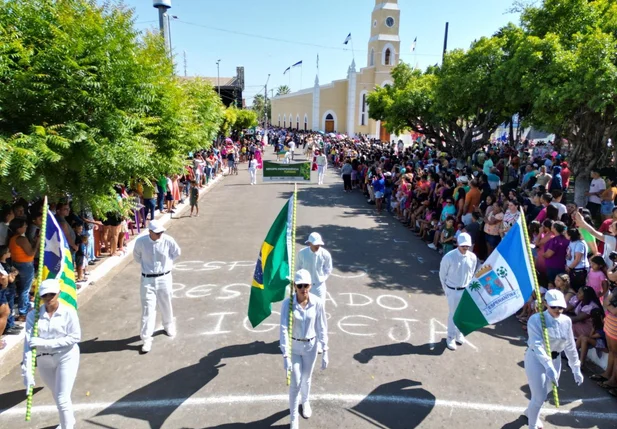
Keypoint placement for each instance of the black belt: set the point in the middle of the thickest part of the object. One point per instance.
(46, 354)
(455, 288)
(150, 276)
(304, 340)
(579, 269)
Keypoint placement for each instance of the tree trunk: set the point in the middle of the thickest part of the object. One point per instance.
(581, 185)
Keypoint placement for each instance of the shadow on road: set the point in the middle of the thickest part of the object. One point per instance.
(173, 389)
(268, 422)
(400, 349)
(413, 406)
(10, 399)
(519, 423)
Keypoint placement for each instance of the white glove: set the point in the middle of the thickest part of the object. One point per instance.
(324, 360)
(26, 371)
(578, 376)
(36, 342)
(551, 373)
(287, 363)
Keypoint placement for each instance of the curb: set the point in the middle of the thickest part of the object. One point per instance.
(101, 270)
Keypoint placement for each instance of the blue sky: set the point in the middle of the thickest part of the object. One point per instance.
(267, 36)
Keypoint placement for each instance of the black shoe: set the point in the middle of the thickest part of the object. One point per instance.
(91, 263)
(12, 331)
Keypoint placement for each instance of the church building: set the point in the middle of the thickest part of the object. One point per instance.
(341, 106)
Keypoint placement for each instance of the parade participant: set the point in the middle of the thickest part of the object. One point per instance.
(156, 253)
(455, 273)
(253, 171)
(318, 262)
(57, 349)
(322, 164)
(309, 327)
(543, 370)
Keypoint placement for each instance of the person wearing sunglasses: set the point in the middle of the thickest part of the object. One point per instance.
(156, 254)
(541, 368)
(309, 328)
(56, 348)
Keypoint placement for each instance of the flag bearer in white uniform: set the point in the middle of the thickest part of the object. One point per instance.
(543, 369)
(318, 262)
(57, 349)
(322, 164)
(253, 171)
(156, 254)
(309, 329)
(455, 273)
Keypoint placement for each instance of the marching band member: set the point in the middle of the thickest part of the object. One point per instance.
(309, 328)
(543, 370)
(57, 349)
(318, 262)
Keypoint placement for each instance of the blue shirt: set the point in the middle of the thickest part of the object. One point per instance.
(379, 185)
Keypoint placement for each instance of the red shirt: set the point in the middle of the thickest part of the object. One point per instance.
(565, 177)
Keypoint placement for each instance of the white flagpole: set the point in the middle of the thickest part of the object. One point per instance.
(301, 72)
(353, 55)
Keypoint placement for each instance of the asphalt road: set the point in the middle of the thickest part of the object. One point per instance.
(389, 367)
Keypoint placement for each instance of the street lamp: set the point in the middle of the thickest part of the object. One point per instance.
(218, 76)
(169, 29)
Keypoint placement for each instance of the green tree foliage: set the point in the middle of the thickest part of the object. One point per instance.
(230, 116)
(245, 119)
(87, 102)
(262, 107)
(282, 90)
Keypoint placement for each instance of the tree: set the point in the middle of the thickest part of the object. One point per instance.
(230, 115)
(245, 119)
(567, 62)
(475, 286)
(86, 102)
(282, 90)
(262, 107)
(456, 106)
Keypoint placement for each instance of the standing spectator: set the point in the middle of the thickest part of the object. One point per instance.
(346, 175)
(194, 198)
(565, 175)
(577, 264)
(555, 251)
(10, 291)
(607, 197)
(510, 217)
(379, 187)
(6, 216)
(22, 253)
(472, 201)
(492, 223)
(541, 241)
(610, 242)
(596, 187)
(149, 197)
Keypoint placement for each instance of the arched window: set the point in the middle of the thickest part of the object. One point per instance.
(372, 58)
(284, 121)
(279, 120)
(363, 111)
(297, 122)
(388, 57)
(305, 122)
(291, 121)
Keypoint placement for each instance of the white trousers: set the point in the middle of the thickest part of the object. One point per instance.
(302, 364)
(321, 291)
(454, 297)
(321, 172)
(253, 173)
(156, 292)
(58, 373)
(540, 386)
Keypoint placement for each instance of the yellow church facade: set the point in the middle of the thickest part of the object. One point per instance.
(341, 106)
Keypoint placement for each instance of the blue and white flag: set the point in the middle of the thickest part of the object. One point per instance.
(413, 45)
(286, 70)
(347, 39)
(500, 287)
(299, 63)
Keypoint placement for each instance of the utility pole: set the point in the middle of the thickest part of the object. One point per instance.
(218, 76)
(169, 17)
(266, 102)
(445, 43)
(184, 54)
(163, 6)
(272, 93)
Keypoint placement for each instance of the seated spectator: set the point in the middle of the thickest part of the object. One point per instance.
(595, 337)
(581, 316)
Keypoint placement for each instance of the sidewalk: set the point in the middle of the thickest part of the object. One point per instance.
(13, 342)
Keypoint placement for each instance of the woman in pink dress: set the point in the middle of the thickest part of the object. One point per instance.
(545, 235)
(260, 164)
(175, 189)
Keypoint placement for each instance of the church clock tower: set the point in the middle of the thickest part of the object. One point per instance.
(384, 44)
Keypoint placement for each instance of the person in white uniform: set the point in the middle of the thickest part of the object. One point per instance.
(56, 347)
(322, 164)
(541, 368)
(309, 329)
(318, 262)
(156, 254)
(253, 171)
(455, 273)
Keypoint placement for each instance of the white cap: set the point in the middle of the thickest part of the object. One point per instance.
(464, 239)
(463, 179)
(302, 277)
(156, 227)
(554, 298)
(315, 239)
(49, 286)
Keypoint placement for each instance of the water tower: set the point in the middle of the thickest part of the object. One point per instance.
(163, 6)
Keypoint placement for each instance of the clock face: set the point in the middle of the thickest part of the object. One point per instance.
(390, 21)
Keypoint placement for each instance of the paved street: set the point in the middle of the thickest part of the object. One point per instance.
(388, 364)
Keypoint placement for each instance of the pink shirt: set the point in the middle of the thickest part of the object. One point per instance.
(595, 279)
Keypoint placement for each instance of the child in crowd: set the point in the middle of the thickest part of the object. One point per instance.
(596, 337)
(596, 278)
(447, 235)
(194, 198)
(80, 255)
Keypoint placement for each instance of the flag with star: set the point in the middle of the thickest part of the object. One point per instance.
(272, 271)
(58, 262)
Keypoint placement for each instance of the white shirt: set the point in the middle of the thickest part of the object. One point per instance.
(308, 322)
(577, 247)
(610, 243)
(156, 257)
(292, 146)
(253, 164)
(456, 270)
(319, 264)
(561, 209)
(597, 185)
(60, 332)
(561, 338)
(321, 160)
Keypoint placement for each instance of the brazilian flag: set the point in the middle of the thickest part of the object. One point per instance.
(272, 271)
(58, 262)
